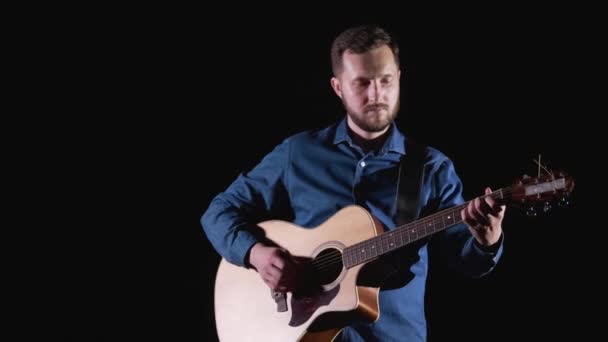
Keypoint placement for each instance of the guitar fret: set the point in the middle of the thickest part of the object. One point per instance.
(439, 222)
(346, 257)
(421, 230)
(361, 252)
(384, 243)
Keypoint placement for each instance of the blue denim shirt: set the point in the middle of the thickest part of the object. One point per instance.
(310, 176)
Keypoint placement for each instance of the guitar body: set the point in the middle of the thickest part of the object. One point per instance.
(246, 310)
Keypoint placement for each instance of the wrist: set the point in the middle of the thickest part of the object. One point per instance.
(489, 247)
(252, 260)
(250, 256)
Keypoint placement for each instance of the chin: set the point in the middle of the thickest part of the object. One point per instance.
(377, 126)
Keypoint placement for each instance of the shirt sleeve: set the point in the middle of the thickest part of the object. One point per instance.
(462, 252)
(230, 221)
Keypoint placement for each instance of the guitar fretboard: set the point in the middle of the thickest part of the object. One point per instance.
(392, 240)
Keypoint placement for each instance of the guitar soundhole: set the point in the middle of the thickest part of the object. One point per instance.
(327, 265)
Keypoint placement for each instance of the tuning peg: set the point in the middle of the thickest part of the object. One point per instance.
(546, 207)
(564, 202)
(531, 211)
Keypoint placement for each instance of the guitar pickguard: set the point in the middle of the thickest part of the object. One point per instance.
(304, 306)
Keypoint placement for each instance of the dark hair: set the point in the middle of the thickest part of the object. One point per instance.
(360, 39)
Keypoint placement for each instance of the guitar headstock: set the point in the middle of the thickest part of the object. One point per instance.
(542, 191)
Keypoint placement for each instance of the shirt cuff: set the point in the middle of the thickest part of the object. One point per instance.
(489, 250)
(241, 247)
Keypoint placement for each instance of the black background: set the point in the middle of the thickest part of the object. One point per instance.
(156, 112)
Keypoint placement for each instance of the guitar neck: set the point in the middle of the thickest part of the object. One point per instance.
(385, 243)
(399, 237)
(535, 191)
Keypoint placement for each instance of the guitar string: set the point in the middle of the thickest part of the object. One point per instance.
(332, 259)
(364, 246)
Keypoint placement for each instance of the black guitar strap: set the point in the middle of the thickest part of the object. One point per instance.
(410, 179)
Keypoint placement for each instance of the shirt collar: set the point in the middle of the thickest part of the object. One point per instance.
(394, 143)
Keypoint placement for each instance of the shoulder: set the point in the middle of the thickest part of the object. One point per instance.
(434, 159)
(312, 136)
(435, 156)
(439, 165)
(431, 155)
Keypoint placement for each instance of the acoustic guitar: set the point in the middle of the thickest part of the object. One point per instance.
(336, 253)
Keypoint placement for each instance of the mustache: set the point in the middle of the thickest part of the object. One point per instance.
(376, 106)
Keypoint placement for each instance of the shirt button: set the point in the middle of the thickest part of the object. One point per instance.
(362, 164)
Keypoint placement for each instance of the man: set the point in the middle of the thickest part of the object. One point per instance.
(311, 175)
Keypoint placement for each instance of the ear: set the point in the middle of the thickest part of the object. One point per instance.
(335, 84)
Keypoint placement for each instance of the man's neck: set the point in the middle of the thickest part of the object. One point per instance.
(369, 144)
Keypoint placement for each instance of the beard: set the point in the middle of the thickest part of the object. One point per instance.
(373, 118)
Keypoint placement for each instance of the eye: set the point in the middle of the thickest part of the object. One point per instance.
(361, 83)
(386, 80)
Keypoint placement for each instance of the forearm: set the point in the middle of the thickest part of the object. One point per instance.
(465, 255)
(230, 233)
(231, 219)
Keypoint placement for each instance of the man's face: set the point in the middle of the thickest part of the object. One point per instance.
(369, 88)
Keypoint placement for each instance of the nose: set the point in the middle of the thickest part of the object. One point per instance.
(373, 91)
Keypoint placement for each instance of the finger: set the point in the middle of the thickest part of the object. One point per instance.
(475, 214)
(496, 207)
(483, 207)
(288, 283)
(491, 201)
(272, 272)
(282, 288)
(271, 283)
(467, 218)
(493, 206)
(278, 260)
